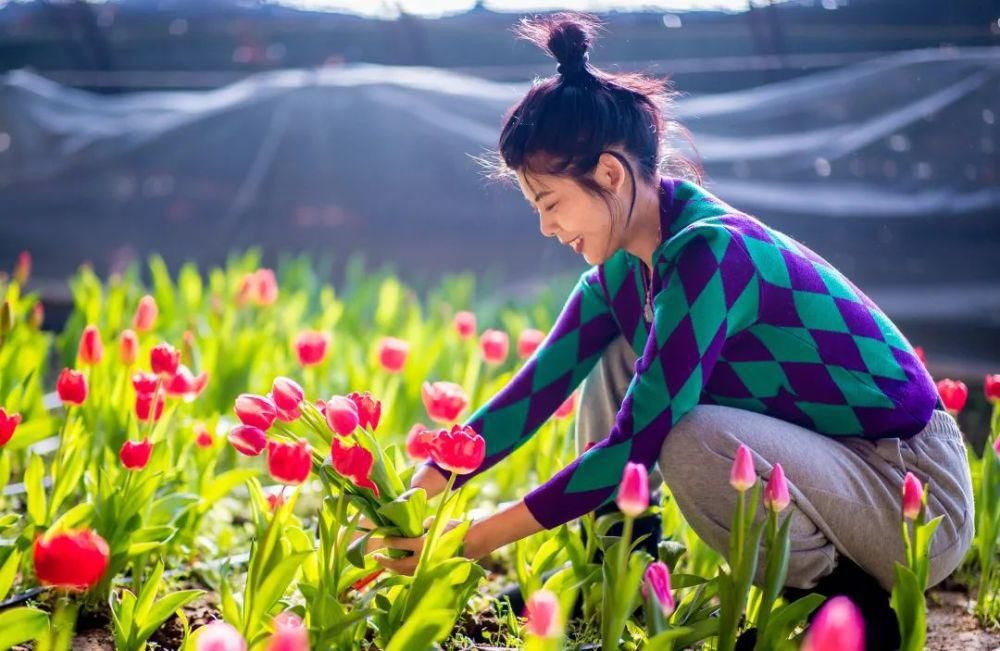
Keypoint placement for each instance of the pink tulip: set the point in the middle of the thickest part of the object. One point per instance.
(311, 347)
(128, 347)
(991, 387)
(444, 401)
(633, 491)
(657, 579)
(776, 495)
(354, 462)
(71, 387)
(8, 423)
(255, 410)
(742, 475)
(286, 393)
(342, 415)
(953, 394)
(465, 324)
(164, 359)
(460, 449)
(145, 314)
(91, 348)
(144, 382)
(418, 443)
(913, 494)
(145, 410)
(248, 440)
(219, 636)
(22, 268)
(838, 626)
(134, 455)
(203, 438)
(289, 463)
(289, 634)
(528, 342)
(289, 416)
(542, 613)
(369, 409)
(184, 384)
(392, 354)
(495, 345)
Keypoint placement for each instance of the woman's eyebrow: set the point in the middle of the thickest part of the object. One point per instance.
(543, 193)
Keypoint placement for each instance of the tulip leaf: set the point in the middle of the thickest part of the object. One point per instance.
(356, 550)
(222, 484)
(22, 625)
(784, 619)
(8, 572)
(33, 482)
(148, 592)
(163, 609)
(422, 632)
(75, 517)
(407, 512)
(911, 609)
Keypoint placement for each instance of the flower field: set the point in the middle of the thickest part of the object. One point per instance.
(203, 461)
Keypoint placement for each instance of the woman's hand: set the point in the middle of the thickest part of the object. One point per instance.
(430, 479)
(408, 564)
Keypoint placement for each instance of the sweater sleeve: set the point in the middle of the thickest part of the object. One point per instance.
(709, 291)
(583, 329)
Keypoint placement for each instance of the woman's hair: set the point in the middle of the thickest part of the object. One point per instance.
(565, 122)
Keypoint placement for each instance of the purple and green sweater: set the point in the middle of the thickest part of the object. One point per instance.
(743, 316)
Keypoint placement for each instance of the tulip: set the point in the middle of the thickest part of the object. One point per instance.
(342, 415)
(444, 401)
(267, 287)
(838, 626)
(354, 462)
(919, 351)
(913, 494)
(219, 636)
(992, 388)
(460, 450)
(289, 462)
(528, 342)
(633, 491)
(275, 501)
(566, 408)
(8, 423)
(542, 614)
(184, 384)
(657, 580)
(134, 455)
(286, 393)
(22, 268)
(953, 393)
(203, 438)
(145, 314)
(73, 559)
(144, 382)
(128, 347)
(310, 347)
(91, 348)
(37, 317)
(392, 354)
(144, 405)
(494, 344)
(285, 416)
(164, 359)
(465, 324)
(742, 475)
(776, 495)
(71, 387)
(248, 440)
(418, 443)
(255, 410)
(369, 409)
(289, 634)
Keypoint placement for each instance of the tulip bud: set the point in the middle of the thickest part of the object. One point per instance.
(145, 314)
(8, 423)
(289, 462)
(22, 269)
(342, 415)
(6, 319)
(742, 475)
(444, 401)
(992, 388)
(528, 342)
(248, 440)
(286, 393)
(164, 359)
(71, 559)
(495, 345)
(219, 636)
(267, 287)
(633, 491)
(913, 494)
(657, 580)
(776, 495)
(542, 614)
(37, 317)
(134, 455)
(369, 409)
(91, 348)
(203, 438)
(289, 634)
(953, 393)
(838, 626)
(128, 347)
(310, 347)
(71, 387)
(256, 411)
(465, 324)
(392, 354)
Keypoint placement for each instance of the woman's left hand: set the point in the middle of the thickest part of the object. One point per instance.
(408, 564)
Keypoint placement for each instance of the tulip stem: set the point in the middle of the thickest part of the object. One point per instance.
(435, 526)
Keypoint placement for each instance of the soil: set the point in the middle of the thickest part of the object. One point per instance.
(951, 626)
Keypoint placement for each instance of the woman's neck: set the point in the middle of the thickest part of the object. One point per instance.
(644, 232)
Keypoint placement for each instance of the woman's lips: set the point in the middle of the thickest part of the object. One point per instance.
(578, 244)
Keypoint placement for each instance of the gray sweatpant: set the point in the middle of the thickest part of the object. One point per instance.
(846, 492)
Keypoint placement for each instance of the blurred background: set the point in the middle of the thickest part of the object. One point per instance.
(866, 129)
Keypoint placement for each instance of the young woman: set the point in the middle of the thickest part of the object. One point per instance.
(701, 328)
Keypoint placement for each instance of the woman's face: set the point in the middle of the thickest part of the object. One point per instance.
(576, 217)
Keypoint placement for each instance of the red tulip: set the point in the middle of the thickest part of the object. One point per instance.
(8, 423)
(418, 443)
(144, 405)
(134, 455)
(275, 501)
(128, 347)
(369, 409)
(776, 495)
(633, 491)
(310, 346)
(742, 475)
(164, 359)
(219, 636)
(255, 410)
(284, 416)
(392, 354)
(542, 614)
(528, 342)
(203, 438)
(289, 462)
(838, 626)
(353, 462)
(913, 494)
(460, 450)
(566, 408)
(444, 401)
(286, 393)
(71, 559)
(992, 388)
(495, 345)
(465, 324)
(657, 580)
(184, 384)
(953, 393)
(144, 382)
(342, 415)
(248, 440)
(91, 348)
(71, 387)
(289, 634)
(145, 314)
(22, 268)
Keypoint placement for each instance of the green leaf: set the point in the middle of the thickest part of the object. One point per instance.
(33, 483)
(8, 572)
(911, 609)
(221, 485)
(163, 609)
(784, 620)
(148, 592)
(407, 512)
(22, 625)
(420, 633)
(356, 550)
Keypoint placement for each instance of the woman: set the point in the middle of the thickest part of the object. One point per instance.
(707, 329)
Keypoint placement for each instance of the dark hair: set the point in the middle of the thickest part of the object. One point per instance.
(565, 122)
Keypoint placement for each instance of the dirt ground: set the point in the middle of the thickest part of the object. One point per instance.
(952, 627)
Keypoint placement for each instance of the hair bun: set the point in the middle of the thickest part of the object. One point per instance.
(567, 36)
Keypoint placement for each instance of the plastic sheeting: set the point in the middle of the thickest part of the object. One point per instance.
(888, 168)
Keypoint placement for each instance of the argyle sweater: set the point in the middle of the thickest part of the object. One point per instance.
(743, 316)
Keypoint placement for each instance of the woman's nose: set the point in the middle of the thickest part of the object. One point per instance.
(547, 228)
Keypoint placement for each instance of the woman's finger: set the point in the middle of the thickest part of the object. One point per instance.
(398, 565)
(411, 544)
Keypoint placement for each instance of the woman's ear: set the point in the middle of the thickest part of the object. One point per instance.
(610, 172)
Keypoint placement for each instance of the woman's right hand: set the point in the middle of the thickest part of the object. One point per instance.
(428, 478)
